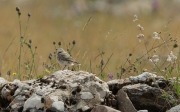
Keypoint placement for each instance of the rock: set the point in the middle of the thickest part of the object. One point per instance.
(17, 103)
(124, 103)
(71, 91)
(117, 84)
(147, 91)
(150, 79)
(34, 102)
(58, 106)
(145, 76)
(2, 82)
(102, 108)
(86, 95)
(142, 111)
(62, 91)
(175, 109)
(85, 108)
(153, 99)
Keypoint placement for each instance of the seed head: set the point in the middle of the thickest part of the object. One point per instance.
(50, 56)
(29, 15)
(17, 9)
(30, 41)
(9, 72)
(74, 42)
(19, 13)
(175, 45)
(35, 47)
(59, 43)
(68, 49)
(123, 70)
(54, 43)
(103, 52)
(102, 62)
(29, 45)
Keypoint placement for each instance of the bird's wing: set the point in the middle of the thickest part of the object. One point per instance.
(66, 57)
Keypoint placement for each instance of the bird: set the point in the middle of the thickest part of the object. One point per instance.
(64, 58)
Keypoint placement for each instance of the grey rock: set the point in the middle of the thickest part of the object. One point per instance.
(124, 103)
(102, 108)
(33, 102)
(86, 95)
(85, 108)
(2, 82)
(142, 77)
(62, 91)
(150, 98)
(142, 111)
(147, 91)
(58, 105)
(117, 84)
(175, 109)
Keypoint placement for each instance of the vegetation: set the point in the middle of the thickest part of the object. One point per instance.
(109, 46)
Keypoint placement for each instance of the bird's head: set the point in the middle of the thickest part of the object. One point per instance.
(59, 50)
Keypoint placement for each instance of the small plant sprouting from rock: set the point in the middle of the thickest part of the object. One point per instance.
(30, 66)
(102, 64)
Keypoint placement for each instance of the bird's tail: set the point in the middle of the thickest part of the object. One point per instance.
(77, 62)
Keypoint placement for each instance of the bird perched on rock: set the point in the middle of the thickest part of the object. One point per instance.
(64, 58)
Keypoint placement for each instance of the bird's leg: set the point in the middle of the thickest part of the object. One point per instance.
(64, 67)
(58, 66)
(73, 69)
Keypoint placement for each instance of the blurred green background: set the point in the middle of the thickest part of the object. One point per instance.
(111, 29)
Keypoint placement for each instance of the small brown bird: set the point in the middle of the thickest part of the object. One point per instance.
(64, 58)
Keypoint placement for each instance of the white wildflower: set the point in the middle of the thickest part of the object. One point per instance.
(135, 18)
(156, 35)
(140, 35)
(171, 57)
(154, 59)
(140, 27)
(150, 60)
